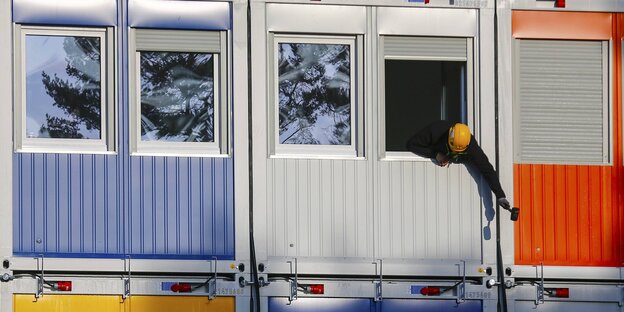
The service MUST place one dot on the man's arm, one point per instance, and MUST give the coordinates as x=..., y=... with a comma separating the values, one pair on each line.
x=480, y=160
x=422, y=144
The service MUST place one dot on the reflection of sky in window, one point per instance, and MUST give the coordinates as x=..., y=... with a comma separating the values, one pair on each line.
x=322, y=130
x=168, y=118
x=46, y=54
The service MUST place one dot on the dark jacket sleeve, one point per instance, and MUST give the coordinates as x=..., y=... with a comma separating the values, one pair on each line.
x=480, y=160
x=421, y=144
x=424, y=142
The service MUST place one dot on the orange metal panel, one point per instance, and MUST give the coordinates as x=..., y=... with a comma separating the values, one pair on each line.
x=573, y=214
x=561, y=25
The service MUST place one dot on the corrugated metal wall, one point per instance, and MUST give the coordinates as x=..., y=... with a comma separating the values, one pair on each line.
x=572, y=214
x=115, y=205
x=67, y=204
x=181, y=207
x=319, y=208
x=426, y=212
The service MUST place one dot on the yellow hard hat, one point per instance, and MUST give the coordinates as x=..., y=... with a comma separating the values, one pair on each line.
x=459, y=137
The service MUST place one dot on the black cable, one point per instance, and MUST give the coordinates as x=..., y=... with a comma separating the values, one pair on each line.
x=255, y=287
x=502, y=291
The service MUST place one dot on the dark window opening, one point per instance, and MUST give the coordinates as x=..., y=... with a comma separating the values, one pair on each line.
x=420, y=92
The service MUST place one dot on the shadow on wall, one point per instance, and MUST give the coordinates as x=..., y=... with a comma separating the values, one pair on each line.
x=486, y=196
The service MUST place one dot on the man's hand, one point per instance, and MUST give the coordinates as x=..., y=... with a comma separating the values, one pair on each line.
x=442, y=160
x=503, y=202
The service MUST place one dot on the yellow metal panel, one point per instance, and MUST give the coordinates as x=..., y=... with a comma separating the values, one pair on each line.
x=67, y=303
x=180, y=304
x=80, y=303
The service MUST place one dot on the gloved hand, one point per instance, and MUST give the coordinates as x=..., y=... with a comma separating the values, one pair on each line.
x=503, y=202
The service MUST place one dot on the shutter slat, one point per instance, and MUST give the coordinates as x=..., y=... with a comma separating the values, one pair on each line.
x=177, y=40
x=425, y=47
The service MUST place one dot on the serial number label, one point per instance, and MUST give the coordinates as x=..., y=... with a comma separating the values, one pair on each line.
x=229, y=291
x=478, y=295
x=470, y=3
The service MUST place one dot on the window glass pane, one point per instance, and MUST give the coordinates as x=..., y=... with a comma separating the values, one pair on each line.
x=314, y=93
x=63, y=87
x=177, y=97
x=420, y=92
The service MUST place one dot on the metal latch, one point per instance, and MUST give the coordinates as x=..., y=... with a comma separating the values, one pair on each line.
x=126, y=279
x=378, y=283
x=212, y=284
x=539, y=289
x=292, y=296
x=40, y=279
x=461, y=288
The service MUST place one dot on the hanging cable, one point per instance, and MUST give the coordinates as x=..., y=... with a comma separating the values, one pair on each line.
x=502, y=291
x=255, y=287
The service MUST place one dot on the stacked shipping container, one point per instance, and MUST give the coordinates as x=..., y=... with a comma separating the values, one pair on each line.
x=337, y=201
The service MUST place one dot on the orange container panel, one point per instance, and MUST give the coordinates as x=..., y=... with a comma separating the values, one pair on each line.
x=573, y=215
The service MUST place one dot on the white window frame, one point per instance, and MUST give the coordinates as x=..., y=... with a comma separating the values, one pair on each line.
x=470, y=94
x=107, y=142
x=221, y=112
x=353, y=150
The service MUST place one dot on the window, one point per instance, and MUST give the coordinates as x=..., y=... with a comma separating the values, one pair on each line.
x=316, y=102
x=561, y=101
x=64, y=93
x=179, y=104
x=424, y=79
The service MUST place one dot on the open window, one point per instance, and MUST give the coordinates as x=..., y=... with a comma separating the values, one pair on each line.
x=64, y=90
x=178, y=98
x=423, y=79
x=316, y=106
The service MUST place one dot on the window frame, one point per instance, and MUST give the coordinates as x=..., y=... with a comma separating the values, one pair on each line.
x=350, y=151
x=107, y=142
x=221, y=107
x=470, y=93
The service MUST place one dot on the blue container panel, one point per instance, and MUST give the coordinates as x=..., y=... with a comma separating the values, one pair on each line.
x=280, y=304
x=181, y=208
x=66, y=204
x=406, y=305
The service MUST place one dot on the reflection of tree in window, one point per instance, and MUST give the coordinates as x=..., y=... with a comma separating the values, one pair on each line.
x=314, y=94
x=78, y=96
x=177, y=97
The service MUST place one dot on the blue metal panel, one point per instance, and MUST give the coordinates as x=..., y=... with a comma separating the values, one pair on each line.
x=280, y=304
x=66, y=205
x=66, y=12
x=209, y=15
x=405, y=305
x=181, y=207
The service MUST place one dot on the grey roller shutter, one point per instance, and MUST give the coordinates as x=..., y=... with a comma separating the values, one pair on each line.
x=561, y=102
x=178, y=40
x=430, y=48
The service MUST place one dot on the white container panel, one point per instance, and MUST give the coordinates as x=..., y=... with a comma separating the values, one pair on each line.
x=318, y=208
x=428, y=212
